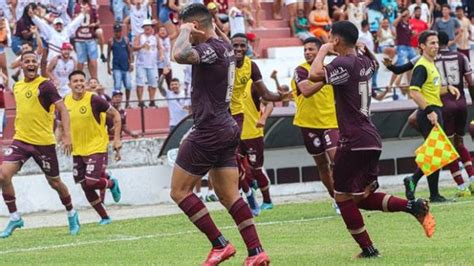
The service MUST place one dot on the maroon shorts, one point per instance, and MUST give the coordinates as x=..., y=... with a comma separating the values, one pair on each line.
x=197, y=155
x=355, y=170
x=253, y=149
x=239, y=119
x=454, y=118
x=317, y=141
x=44, y=156
x=89, y=167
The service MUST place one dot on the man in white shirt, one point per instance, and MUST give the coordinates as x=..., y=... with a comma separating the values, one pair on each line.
x=426, y=11
x=178, y=105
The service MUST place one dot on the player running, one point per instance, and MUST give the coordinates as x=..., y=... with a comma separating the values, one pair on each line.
x=316, y=115
x=36, y=100
x=252, y=144
x=88, y=111
x=452, y=66
x=360, y=145
x=210, y=146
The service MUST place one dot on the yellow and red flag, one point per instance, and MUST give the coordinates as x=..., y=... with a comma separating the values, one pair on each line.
x=436, y=152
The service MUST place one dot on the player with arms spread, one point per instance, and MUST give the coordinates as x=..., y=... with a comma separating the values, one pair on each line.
x=211, y=145
x=360, y=145
x=36, y=100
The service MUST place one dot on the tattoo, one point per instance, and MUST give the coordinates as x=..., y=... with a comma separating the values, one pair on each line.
x=183, y=50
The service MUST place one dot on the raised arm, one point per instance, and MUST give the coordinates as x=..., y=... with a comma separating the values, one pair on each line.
x=72, y=27
x=160, y=85
x=43, y=27
x=316, y=72
x=183, y=51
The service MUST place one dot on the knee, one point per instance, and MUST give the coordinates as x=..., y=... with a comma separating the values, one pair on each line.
x=55, y=183
x=178, y=195
x=88, y=183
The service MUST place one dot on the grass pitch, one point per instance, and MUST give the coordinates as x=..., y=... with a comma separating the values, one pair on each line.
x=292, y=234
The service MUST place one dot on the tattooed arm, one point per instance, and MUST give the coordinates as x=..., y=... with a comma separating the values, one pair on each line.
x=183, y=51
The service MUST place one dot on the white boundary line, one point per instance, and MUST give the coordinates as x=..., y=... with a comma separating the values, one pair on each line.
x=135, y=238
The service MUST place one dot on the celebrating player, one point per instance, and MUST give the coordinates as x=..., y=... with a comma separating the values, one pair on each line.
x=360, y=145
x=316, y=115
x=36, y=99
x=88, y=111
x=210, y=146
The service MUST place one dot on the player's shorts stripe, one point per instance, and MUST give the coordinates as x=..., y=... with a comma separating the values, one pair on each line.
x=357, y=231
x=245, y=224
x=385, y=200
x=198, y=215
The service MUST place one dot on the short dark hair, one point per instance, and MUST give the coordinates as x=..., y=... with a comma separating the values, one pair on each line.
x=443, y=38
x=174, y=80
x=30, y=44
x=445, y=6
x=77, y=72
x=417, y=8
x=314, y=40
x=26, y=53
x=347, y=31
x=364, y=23
x=459, y=8
x=425, y=35
x=239, y=35
x=198, y=12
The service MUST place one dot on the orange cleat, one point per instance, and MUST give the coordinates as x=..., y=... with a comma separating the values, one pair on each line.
x=421, y=210
x=218, y=255
x=429, y=224
x=261, y=259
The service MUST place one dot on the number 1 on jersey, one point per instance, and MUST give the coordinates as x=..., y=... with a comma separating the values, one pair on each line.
x=364, y=92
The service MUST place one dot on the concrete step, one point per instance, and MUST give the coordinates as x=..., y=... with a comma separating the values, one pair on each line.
x=275, y=23
x=276, y=42
x=272, y=33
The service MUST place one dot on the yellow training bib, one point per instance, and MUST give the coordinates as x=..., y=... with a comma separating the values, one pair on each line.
x=431, y=89
x=251, y=116
x=242, y=77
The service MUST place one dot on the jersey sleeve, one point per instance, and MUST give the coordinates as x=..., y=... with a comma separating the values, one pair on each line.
x=418, y=78
x=207, y=54
x=301, y=74
x=48, y=94
x=256, y=74
x=466, y=65
x=99, y=105
x=337, y=72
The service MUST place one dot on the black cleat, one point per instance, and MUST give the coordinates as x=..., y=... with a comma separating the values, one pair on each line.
x=369, y=253
x=409, y=188
x=438, y=199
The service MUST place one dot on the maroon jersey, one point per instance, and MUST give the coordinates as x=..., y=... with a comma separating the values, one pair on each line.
x=452, y=67
x=212, y=81
x=351, y=78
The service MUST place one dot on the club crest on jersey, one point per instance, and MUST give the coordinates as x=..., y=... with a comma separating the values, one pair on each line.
x=8, y=151
x=244, y=80
x=83, y=110
x=28, y=94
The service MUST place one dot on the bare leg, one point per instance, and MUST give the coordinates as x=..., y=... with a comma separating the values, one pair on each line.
x=92, y=67
x=140, y=94
x=276, y=8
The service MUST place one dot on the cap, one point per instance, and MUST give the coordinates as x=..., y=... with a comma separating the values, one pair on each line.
x=58, y=21
x=118, y=27
x=115, y=93
x=211, y=5
x=147, y=22
x=66, y=46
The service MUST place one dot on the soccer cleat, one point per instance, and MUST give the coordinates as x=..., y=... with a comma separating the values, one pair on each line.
x=266, y=206
x=74, y=225
x=438, y=199
x=368, y=253
x=254, y=185
x=115, y=190
x=211, y=198
x=218, y=255
x=409, y=188
x=105, y=221
x=261, y=259
x=463, y=193
x=336, y=208
x=12, y=225
x=102, y=57
x=421, y=210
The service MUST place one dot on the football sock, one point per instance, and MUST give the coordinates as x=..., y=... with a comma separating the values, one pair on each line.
x=71, y=213
x=466, y=159
x=417, y=176
x=263, y=183
x=100, y=183
x=14, y=216
x=383, y=202
x=242, y=216
x=471, y=179
x=433, y=180
x=10, y=201
x=197, y=212
x=67, y=202
x=95, y=202
x=244, y=185
x=354, y=223
x=456, y=172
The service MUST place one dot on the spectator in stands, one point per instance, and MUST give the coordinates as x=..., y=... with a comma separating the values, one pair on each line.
x=149, y=48
x=22, y=28
x=390, y=9
x=58, y=9
x=282, y=89
x=302, y=26
x=336, y=9
x=5, y=8
x=455, y=4
x=27, y=46
x=213, y=9
x=463, y=43
x=94, y=85
x=5, y=41
x=120, y=50
x=240, y=18
x=366, y=37
x=164, y=66
x=375, y=15
x=178, y=106
x=356, y=12
x=417, y=26
x=60, y=67
x=139, y=11
x=320, y=21
x=116, y=102
x=120, y=10
x=386, y=39
x=86, y=39
x=19, y=6
x=166, y=8
x=425, y=9
x=449, y=25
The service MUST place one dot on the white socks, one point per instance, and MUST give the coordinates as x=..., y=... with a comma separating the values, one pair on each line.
x=15, y=216
x=71, y=213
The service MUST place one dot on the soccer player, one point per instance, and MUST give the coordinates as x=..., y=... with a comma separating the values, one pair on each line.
x=360, y=145
x=251, y=142
x=36, y=100
x=88, y=111
x=452, y=66
x=210, y=146
x=316, y=115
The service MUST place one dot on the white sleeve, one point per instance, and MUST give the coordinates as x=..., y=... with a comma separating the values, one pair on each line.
x=9, y=34
x=43, y=27
x=72, y=27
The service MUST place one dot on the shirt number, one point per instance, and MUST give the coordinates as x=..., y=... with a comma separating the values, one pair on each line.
x=230, y=81
x=364, y=92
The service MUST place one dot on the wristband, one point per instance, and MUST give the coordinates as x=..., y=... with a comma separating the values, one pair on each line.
x=429, y=109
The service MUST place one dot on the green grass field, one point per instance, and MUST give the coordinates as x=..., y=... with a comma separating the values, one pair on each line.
x=292, y=234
